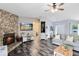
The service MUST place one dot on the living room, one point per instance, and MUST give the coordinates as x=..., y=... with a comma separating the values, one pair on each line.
x=39, y=29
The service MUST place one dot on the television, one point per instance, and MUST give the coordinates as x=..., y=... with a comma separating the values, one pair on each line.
x=26, y=27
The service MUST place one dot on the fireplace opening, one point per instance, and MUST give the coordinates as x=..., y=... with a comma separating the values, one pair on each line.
x=8, y=38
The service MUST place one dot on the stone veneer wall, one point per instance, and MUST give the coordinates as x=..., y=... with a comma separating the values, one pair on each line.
x=8, y=22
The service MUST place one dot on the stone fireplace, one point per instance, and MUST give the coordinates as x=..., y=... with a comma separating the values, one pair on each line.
x=8, y=23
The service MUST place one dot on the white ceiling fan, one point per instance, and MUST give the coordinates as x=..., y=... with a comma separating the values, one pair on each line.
x=53, y=7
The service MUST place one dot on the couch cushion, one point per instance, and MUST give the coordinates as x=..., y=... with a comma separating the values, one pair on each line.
x=57, y=37
x=68, y=42
x=57, y=42
x=69, y=38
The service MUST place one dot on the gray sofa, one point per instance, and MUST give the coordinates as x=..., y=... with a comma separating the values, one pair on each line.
x=76, y=46
x=59, y=41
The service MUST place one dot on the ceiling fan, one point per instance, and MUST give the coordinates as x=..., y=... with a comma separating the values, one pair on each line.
x=53, y=7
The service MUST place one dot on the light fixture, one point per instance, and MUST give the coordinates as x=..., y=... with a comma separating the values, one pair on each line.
x=54, y=7
x=53, y=10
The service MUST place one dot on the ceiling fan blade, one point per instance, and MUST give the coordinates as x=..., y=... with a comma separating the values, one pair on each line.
x=61, y=9
x=61, y=4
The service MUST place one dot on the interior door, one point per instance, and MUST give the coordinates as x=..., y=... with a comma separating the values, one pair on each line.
x=36, y=39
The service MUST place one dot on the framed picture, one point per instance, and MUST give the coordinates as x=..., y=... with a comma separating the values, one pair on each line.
x=43, y=27
x=26, y=27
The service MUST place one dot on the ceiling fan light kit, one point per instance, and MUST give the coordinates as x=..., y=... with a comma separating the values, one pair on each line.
x=54, y=10
x=55, y=7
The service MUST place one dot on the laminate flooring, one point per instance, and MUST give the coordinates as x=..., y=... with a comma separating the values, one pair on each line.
x=46, y=49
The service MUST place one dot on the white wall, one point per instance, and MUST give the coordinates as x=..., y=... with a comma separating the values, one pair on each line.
x=64, y=27
x=24, y=33
x=27, y=20
x=48, y=23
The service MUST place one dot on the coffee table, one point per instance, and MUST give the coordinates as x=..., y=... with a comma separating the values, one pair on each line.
x=62, y=51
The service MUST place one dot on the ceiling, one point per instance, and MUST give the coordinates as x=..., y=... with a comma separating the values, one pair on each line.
x=71, y=10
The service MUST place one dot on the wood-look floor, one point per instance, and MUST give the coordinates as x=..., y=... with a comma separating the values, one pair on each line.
x=46, y=49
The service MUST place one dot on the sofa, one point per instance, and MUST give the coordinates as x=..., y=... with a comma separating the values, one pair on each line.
x=57, y=40
x=69, y=40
